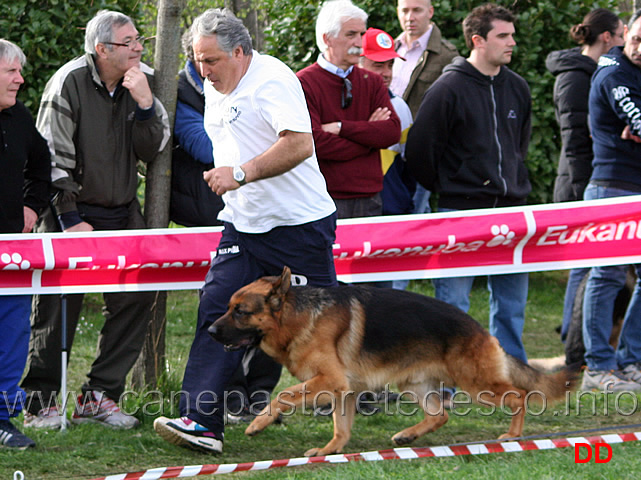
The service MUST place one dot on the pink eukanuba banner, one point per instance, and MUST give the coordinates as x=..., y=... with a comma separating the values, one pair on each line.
x=473, y=242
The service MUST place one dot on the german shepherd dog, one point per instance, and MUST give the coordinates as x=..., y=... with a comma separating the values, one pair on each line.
x=349, y=339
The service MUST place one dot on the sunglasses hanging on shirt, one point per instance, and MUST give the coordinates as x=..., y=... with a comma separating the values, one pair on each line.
x=346, y=93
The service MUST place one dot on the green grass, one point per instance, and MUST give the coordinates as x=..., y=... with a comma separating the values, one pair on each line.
x=90, y=451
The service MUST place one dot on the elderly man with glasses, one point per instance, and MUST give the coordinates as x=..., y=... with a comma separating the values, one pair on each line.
x=352, y=115
x=99, y=117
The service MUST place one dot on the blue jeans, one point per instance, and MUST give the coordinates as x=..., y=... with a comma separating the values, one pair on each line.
x=14, y=346
x=508, y=296
x=422, y=200
x=604, y=283
x=575, y=278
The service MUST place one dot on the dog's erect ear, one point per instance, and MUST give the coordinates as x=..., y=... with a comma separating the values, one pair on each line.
x=285, y=281
x=280, y=289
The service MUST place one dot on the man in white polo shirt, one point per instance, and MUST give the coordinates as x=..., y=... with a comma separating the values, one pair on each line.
x=277, y=209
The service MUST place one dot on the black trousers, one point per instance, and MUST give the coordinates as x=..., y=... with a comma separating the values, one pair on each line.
x=126, y=317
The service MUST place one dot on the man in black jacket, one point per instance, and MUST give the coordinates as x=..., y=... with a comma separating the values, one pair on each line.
x=468, y=143
x=615, y=121
x=599, y=31
x=24, y=191
x=99, y=117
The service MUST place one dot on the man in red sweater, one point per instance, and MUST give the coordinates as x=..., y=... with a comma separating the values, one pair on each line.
x=352, y=116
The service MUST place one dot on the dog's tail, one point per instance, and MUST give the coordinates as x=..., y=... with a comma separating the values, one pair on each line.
x=552, y=387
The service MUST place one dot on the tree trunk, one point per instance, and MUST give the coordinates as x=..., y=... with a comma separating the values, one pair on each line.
x=158, y=182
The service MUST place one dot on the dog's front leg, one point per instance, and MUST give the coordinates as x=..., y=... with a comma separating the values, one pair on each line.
x=343, y=416
x=280, y=404
x=294, y=397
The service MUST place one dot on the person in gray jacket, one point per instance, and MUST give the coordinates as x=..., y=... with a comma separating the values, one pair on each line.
x=99, y=117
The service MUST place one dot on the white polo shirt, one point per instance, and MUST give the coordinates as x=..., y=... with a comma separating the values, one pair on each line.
x=245, y=123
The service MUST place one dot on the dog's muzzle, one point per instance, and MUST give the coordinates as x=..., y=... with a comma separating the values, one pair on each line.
x=234, y=338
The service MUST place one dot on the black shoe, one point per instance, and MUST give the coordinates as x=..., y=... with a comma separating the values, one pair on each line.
x=387, y=397
x=324, y=410
x=367, y=409
x=234, y=417
x=365, y=402
x=11, y=437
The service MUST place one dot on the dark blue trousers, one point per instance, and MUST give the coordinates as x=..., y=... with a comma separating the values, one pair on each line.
x=242, y=258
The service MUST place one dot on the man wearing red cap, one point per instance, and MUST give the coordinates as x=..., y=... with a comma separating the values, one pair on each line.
x=352, y=116
x=398, y=184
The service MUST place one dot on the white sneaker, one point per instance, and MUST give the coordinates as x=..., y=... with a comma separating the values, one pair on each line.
x=632, y=372
x=608, y=381
x=184, y=432
x=46, y=418
x=96, y=407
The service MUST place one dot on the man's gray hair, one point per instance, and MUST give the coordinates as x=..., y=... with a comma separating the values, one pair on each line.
x=228, y=29
x=100, y=29
x=331, y=17
x=9, y=51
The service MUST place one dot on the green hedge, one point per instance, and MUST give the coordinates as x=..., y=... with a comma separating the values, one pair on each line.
x=542, y=27
x=51, y=33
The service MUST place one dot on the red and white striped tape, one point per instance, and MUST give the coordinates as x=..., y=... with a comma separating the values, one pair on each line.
x=406, y=453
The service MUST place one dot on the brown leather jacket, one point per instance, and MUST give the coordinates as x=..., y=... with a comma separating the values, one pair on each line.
x=438, y=54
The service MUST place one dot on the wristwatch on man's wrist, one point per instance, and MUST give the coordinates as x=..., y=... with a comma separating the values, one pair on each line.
x=239, y=175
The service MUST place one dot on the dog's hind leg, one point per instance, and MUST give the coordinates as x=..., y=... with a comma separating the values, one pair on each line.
x=343, y=416
x=507, y=395
x=435, y=414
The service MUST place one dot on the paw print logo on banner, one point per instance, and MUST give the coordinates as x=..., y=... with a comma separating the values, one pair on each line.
x=502, y=235
x=14, y=262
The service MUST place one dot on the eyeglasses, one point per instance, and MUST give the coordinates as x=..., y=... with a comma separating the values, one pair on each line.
x=130, y=44
x=346, y=94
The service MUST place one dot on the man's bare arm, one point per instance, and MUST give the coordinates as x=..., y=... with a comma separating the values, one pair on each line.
x=291, y=149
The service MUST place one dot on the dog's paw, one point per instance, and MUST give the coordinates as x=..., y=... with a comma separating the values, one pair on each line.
x=252, y=430
x=312, y=452
x=321, y=452
x=508, y=435
x=259, y=424
x=401, y=438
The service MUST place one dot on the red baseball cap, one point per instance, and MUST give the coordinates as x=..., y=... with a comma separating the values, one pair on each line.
x=378, y=46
